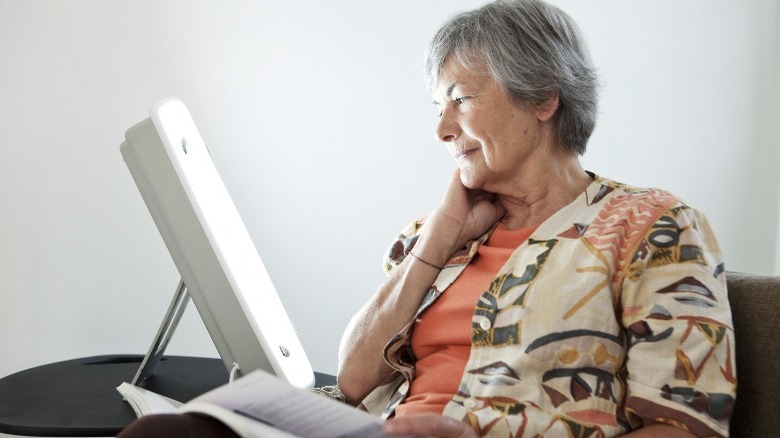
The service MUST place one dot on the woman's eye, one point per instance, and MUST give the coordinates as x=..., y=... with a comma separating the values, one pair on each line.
x=458, y=101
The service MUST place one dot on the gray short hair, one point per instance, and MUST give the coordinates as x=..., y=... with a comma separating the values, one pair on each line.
x=532, y=49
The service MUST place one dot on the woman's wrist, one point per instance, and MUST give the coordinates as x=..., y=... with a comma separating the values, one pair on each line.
x=433, y=247
x=425, y=262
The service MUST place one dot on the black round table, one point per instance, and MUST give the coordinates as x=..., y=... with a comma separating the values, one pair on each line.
x=78, y=397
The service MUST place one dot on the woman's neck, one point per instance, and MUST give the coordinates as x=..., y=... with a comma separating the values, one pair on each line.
x=538, y=196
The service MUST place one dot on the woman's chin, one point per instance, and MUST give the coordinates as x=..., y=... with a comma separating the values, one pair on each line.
x=469, y=179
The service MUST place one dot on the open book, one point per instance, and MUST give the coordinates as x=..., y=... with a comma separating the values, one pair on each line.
x=261, y=405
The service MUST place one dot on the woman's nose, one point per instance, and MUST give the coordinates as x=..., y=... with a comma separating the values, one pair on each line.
x=448, y=128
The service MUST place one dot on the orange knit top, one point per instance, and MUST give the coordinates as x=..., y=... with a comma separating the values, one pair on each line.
x=441, y=340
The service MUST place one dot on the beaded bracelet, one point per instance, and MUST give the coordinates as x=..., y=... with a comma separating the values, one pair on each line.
x=425, y=262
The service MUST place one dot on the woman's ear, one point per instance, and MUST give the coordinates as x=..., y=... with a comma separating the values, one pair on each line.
x=548, y=108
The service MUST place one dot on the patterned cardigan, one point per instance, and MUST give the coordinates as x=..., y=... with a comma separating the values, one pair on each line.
x=612, y=313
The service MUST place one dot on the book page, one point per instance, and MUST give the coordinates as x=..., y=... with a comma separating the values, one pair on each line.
x=266, y=399
x=245, y=427
x=145, y=402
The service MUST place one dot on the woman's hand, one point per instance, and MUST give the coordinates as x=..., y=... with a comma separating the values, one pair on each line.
x=462, y=215
x=428, y=425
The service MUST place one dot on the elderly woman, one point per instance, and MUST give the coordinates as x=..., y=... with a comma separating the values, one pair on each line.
x=539, y=299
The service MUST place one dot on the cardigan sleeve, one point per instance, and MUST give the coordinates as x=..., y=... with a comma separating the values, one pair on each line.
x=675, y=310
x=401, y=246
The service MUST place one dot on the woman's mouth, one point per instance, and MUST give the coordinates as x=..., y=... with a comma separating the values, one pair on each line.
x=462, y=155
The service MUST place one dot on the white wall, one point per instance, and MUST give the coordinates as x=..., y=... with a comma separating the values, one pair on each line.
x=318, y=121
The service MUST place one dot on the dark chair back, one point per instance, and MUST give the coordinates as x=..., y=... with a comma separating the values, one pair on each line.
x=755, y=306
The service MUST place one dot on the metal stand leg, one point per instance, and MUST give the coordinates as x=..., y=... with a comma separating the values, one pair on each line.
x=168, y=326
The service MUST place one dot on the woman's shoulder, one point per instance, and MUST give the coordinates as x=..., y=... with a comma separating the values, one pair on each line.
x=618, y=194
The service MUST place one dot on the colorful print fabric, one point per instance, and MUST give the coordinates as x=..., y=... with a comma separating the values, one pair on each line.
x=613, y=313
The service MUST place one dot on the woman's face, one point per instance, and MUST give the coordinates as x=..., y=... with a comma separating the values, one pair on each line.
x=491, y=138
